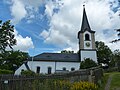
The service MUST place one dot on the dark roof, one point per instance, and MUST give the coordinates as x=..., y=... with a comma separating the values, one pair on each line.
x=26, y=65
x=85, y=24
x=60, y=57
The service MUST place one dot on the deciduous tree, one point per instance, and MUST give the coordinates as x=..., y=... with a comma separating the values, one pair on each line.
x=87, y=63
x=116, y=40
x=104, y=53
x=65, y=51
x=7, y=37
x=10, y=60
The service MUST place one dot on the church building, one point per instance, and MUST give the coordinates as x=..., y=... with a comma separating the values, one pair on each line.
x=48, y=63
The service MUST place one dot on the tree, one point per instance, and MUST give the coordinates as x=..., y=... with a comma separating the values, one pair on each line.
x=104, y=53
x=87, y=63
x=65, y=51
x=115, y=62
x=7, y=38
x=117, y=58
x=116, y=40
x=28, y=73
x=11, y=60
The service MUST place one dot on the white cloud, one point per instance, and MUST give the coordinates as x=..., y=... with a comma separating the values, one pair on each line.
x=34, y=3
x=18, y=11
x=45, y=34
x=65, y=24
x=23, y=44
x=24, y=9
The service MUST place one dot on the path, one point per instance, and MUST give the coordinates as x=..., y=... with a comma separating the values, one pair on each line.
x=107, y=87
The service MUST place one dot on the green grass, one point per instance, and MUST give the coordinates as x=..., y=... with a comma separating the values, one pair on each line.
x=104, y=81
x=115, y=83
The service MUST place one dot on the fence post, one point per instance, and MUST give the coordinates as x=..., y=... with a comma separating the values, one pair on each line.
x=91, y=77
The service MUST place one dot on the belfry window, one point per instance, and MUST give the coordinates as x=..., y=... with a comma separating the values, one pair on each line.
x=87, y=37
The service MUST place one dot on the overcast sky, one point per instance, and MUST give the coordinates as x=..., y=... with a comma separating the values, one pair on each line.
x=52, y=25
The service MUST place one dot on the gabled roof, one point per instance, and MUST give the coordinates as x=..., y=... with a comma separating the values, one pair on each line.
x=57, y=57
x=85, y=24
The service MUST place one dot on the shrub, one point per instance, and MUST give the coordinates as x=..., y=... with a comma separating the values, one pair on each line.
x=6, y=71
x=52, y=84
x=84, y=86
x=87, y=63
x=114, y=69
x=28, y=73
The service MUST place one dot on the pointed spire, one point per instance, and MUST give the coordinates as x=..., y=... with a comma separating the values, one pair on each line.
x=85, y=24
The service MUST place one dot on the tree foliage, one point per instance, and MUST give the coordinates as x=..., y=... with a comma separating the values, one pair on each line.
x=87, y=63
x=7, y=37
x=2, y=71
x=116, y=59
x=104, y=53
x=10, y=60
x=28, y=73
x=116, y=40
x=65, y=51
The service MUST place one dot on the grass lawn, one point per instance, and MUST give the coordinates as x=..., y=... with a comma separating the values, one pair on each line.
x=104, y=81
x=115, y=83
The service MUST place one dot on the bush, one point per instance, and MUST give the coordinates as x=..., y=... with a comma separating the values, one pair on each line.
x=114, y=69
x=52, y=84
x=6, y=71
x=87, y=63
x=28, y=73
x=58, y=84
x=84, y=86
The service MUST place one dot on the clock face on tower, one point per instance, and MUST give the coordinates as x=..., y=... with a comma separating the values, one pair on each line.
x=87, y=44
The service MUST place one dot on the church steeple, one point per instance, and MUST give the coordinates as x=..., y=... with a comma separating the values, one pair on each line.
x=86, y=38
x=85, y=24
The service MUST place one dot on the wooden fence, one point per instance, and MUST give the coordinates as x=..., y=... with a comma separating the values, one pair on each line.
x=12, y=82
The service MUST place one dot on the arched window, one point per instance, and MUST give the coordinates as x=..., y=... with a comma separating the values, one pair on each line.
x=22, y=70
x=38, y=70
x=87, y=37
x=64, y=69
x=72, y=69
x=49, y=70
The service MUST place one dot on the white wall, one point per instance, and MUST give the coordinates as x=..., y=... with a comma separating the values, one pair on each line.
x=44, y=66
x=17, y=72
x=67, y=65
x=89, y=54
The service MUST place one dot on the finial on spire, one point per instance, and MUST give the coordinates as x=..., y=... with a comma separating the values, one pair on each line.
x=84, y=5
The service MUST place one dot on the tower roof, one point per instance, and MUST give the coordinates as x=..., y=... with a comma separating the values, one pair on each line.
x=85, y=24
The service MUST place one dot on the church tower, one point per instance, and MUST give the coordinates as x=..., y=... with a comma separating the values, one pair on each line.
x=86, y=38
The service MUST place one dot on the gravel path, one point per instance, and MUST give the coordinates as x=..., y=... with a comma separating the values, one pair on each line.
x=107, y=87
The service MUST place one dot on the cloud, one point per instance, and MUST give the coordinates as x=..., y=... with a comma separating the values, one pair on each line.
x=18, y=11
x=23, y=44
x=34, y=3
x=24, y=9
x=65, y=18
x=65, y=24
x=45, y=34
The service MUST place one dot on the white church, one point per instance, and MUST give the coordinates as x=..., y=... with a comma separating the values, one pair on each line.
x=48, y=63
